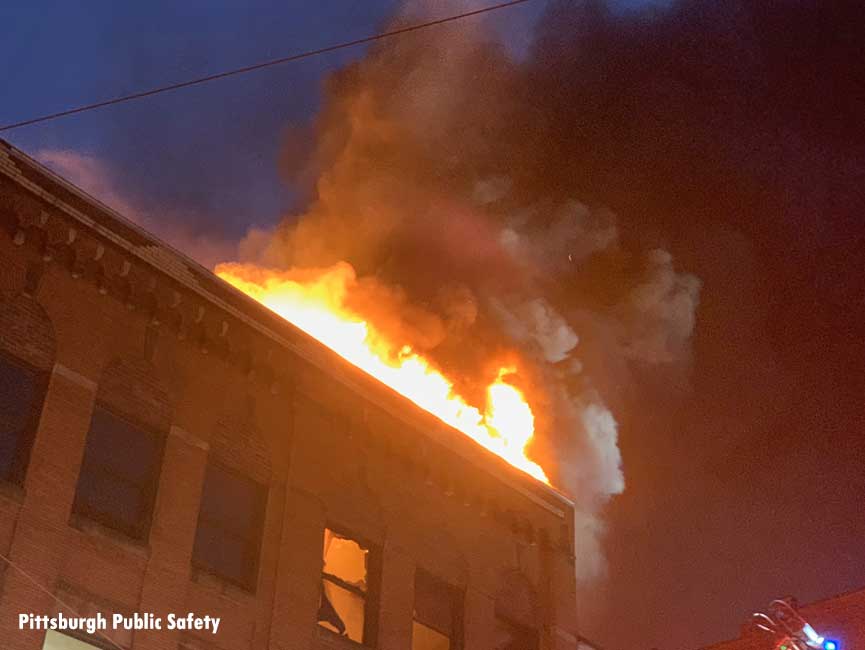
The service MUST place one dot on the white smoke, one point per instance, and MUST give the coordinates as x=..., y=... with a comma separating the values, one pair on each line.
x=660, y=312
x=536, y=322
x=602, y=435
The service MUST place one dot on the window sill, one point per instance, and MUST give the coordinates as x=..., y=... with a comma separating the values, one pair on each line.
x=101, y=534
x=334, y=640
x=225, y=588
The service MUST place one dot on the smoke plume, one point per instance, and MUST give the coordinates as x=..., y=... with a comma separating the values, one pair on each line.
x=426, y=190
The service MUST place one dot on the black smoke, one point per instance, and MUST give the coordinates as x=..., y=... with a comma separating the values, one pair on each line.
x=567, y=191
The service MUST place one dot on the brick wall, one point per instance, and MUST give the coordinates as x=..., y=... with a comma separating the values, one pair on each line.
x=109, y=327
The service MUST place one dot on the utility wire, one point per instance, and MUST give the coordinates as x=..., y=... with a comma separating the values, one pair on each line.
x=45, y=590
x=258, y=66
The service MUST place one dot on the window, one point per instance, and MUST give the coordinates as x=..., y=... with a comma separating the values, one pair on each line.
x=119, y=474
x=57, y=641
x=437, y=614
x=517, y=614
x=230, y=524
x=22, y=390
x=345, y=597
x=510, y=636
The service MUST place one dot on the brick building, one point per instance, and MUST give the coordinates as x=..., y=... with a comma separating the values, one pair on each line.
x=167, y=445
x=841, y=618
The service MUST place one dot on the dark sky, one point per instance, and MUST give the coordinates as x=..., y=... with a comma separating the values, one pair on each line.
x=730, y=133
x=223, y=136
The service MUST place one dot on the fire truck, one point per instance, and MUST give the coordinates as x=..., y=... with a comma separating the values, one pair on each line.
x=788, y=630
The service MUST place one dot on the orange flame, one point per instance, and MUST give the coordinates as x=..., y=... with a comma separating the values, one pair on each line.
x=316, y=303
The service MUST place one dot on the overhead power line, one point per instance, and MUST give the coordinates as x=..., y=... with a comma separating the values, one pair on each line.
x=258, y=66
x=45, y=590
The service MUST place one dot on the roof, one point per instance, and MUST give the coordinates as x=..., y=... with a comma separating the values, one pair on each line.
x=113, y=226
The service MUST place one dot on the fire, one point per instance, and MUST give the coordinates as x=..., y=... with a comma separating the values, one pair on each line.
x=315, y=301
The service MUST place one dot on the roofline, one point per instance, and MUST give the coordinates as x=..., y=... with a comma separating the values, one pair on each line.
x=256, y=323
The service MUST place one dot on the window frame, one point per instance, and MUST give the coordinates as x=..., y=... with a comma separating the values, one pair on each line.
x=370, y=596
x=27, y=437
x=250, y=585
x=457, y=608
x=141, y=532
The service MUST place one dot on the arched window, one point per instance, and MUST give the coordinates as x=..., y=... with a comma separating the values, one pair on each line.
x=22, y=391
x=26, y=358
x=230, y=526
x=234, y=496
x=123, y=452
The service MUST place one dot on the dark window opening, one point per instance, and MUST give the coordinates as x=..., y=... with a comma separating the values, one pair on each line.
x=345, y=604
x=437, y=623
x=230, y=526
x=119, y=474
x=22, y=392
x=517, y=614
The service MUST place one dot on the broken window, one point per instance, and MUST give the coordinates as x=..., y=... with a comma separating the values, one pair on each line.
x=345, y=587
x=230, y=524
x=22, y=390
x=119, y=474
x=437, y=614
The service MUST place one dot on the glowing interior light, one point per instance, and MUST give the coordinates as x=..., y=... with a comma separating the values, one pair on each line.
x=830, y=645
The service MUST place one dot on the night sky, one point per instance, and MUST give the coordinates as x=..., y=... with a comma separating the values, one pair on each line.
x=730, y=133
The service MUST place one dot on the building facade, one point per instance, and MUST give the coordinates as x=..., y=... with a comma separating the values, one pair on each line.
x=169, y=446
